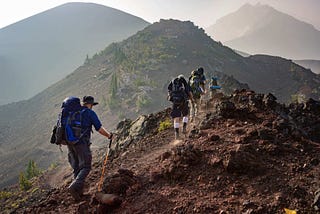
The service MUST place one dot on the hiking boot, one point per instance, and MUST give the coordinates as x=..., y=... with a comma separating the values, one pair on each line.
x=176, y=134
x=184, y=129
x=74, y=193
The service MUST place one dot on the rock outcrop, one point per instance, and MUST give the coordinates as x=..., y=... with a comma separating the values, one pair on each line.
x=245, y=154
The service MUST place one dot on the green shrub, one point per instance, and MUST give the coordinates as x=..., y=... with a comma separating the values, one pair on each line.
x=139, y=82
x=142, y=101
x=53, y=166
x=32, y=170
x=298, y=98
x=113, y=103
x=5, y=194
x=121, y=115
x=87, y=60
x=165, y=57
x=164, y=125
x=119, y=55
x=24, y=183
x=34, y=190
x=113, y=88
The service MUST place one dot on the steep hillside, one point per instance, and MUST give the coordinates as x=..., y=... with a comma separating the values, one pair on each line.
x=314, y=65
x=260, y=29
x=245, y=154
x=125, y=84
x=40, y=50
x=180, y=46
x=131, y=77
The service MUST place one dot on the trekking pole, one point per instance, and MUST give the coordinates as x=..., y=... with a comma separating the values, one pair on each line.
x=104, y=167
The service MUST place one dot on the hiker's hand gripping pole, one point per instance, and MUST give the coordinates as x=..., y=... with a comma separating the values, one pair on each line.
x=104, y=166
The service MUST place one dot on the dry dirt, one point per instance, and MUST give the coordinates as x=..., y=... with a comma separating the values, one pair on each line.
x=250, y=156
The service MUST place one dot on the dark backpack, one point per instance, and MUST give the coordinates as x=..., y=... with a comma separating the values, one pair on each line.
x=177, y=94
x=68, y=129
x=195, y=86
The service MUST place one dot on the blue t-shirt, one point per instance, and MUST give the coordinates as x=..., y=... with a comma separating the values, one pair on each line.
x=89, y=119
x=203, y=78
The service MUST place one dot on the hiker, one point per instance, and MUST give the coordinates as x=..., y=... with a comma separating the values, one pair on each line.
x=197, y=84
x=179, y=92
x=213, y=86
x=79, y=154
x=200, y=72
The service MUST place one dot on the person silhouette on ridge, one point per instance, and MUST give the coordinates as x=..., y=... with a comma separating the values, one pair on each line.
x=179, y=92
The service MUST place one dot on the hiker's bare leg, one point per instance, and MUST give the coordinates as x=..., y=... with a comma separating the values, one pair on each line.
x=197, y=106
x=185, y=122
x=176, y=126
x=192, y=111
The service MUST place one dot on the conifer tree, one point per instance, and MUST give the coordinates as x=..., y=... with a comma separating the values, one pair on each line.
x=24, y=183
x=32, y=170
x=114, y=85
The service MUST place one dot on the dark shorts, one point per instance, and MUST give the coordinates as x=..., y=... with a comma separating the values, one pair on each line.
x=180, y=110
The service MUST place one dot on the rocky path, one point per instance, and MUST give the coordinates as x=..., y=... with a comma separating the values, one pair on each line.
x=246, y=154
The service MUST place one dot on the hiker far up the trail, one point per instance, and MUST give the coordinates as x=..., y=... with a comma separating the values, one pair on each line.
x=74, y=129
x=179, y=92
x=197, y=82
x=214, y=86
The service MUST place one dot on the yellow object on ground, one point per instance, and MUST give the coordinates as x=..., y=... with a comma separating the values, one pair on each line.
x=290, y=211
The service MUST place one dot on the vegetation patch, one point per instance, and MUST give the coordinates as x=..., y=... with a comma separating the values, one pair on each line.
x=166, y=124
x=24, y=178
x=142, y=101
x=5, y=195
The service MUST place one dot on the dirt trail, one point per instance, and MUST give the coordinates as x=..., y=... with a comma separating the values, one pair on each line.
x=240, y=157
x=56, y=178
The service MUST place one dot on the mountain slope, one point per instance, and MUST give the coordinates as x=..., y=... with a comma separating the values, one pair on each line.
x=245, y=154
x=131, y=77
x=261, y=29
x=314, y=65
x=124, y=88
x=42, y=49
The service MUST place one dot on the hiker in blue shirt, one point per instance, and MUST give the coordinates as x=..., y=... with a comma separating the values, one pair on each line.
x=79, y=154
x=214, y=86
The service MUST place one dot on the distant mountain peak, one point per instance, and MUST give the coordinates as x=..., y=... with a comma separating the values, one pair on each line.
x=42, y=49
x=255, y=6
x=256, y=9
x=262, y=29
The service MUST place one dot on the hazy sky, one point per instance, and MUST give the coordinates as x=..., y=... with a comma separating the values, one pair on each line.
x=201, y=12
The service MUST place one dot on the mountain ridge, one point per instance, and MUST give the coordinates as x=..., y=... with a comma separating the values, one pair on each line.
x=131, y=77
x=261, y=29
x=40, y=50
x=314, y=65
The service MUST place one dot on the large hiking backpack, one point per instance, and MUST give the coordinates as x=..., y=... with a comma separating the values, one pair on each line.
x=195, y=86
x=68, y=129
x=177, y=94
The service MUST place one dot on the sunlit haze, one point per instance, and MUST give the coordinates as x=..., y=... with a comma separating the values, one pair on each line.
x=202, y=13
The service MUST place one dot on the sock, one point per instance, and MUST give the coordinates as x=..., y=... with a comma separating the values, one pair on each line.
x=185, y=119
x=176, y=125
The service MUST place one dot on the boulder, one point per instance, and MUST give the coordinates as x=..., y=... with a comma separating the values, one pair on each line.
x=244, y=159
